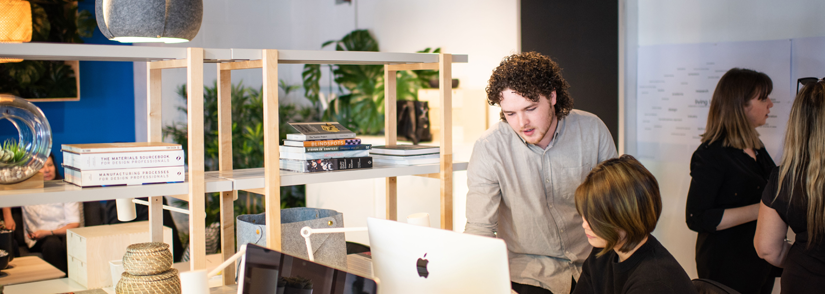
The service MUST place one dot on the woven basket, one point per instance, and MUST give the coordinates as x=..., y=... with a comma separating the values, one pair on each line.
x=165, y=282
x=144, y=259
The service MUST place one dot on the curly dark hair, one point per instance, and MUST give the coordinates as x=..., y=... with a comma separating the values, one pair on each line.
x=530, y=74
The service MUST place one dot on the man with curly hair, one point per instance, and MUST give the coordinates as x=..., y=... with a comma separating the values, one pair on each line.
x=524, y=171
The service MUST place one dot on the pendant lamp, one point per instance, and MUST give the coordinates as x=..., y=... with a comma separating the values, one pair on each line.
x=166, y=21
x=15, y=23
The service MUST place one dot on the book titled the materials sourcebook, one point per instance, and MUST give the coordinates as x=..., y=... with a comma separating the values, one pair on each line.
x=92, y=161
x=319, y=131
x=125, y=176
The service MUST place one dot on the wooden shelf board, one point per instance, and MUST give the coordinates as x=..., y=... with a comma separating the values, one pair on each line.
x=343, y=57
x=57, y=51
x=253, y=178
x=61, y=192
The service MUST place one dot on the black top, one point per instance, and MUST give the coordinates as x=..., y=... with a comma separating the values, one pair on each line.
x=723, y=178
x=651, y=269
x=804, y=267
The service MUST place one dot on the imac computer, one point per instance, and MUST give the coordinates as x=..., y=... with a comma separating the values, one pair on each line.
x=415, y=259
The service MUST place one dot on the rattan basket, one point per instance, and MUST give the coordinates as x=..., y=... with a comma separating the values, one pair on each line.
x=143, y=259
x=165, y=282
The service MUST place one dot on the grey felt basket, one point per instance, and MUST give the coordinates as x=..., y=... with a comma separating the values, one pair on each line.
x=328, y=249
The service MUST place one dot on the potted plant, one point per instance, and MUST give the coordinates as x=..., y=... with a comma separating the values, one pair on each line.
x=361, y=106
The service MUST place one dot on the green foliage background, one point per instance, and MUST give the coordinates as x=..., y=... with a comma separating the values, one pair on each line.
x=247, y=142
x=361, y=108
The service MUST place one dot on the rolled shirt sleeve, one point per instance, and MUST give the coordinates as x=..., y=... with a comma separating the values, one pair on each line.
x=702, y=215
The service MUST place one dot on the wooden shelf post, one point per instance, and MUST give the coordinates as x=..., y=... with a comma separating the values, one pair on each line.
x=197, y=190
x=225, y=164
x=446, y=138
x=390, y=136
x=154, y=134
x=272, y=156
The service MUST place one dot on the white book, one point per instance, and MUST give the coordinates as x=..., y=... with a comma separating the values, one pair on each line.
x=119, y=147
x=126, y=176
x=405, y=160
x=323, y=155
x=117, y=160
x=403, y=150
x=407, y=157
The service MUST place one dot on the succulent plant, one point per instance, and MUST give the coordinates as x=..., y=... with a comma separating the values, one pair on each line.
x=11, y=152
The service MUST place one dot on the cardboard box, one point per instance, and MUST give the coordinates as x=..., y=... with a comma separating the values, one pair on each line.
x=91, y=248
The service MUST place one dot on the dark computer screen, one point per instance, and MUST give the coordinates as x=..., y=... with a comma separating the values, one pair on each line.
x=265, y=271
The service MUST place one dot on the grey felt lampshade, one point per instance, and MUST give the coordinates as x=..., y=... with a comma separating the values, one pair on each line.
x=169, y=21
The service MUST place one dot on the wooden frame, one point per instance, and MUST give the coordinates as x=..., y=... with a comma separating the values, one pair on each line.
x=76, y=68
x=228, y=181
x=269, y=65
x=196, y=181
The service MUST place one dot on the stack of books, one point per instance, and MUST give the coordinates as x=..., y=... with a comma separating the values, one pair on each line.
x=119, y=164
x=323, y=146
x=406, y=154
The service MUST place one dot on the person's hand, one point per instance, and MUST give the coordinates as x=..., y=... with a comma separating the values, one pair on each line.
x=10, y=225
x=40, y=234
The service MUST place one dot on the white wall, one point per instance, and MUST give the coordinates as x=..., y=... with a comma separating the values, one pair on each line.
x=691, y=21
x=485, y=30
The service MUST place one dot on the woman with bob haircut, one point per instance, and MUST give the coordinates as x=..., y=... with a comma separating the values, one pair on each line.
x=729, y=170
x=795, y=197
x=620, y=204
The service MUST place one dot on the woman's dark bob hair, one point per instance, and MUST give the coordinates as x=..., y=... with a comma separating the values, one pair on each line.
x=620, y=197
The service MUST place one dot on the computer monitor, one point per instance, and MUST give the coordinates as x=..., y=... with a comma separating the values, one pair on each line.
x=262, y=268
x=416, y=259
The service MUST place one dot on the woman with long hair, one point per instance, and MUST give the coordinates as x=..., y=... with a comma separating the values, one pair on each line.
x=729, y=170
x=795, y=197
x=619, y=202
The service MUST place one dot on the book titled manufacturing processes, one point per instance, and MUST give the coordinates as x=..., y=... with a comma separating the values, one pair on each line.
x=93, y=161
x=319, y=131
x=323, y=143
x=125, y=176
x=329, y=164
x=297, y=149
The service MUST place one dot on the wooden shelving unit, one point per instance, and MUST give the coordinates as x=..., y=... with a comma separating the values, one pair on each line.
x=265, y=180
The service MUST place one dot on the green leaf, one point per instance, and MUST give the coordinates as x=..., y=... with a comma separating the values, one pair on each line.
x=41, y=27
x=85, y=23
x=312, y=78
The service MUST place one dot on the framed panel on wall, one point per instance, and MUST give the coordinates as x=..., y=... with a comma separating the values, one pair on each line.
x=41, y=81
